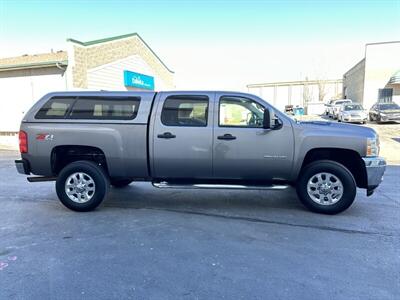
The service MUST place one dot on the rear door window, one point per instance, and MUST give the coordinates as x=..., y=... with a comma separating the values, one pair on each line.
x=55, y=108
x=191, y=111
x=110, y=108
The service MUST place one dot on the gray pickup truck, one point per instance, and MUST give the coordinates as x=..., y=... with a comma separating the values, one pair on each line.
x=87, y=141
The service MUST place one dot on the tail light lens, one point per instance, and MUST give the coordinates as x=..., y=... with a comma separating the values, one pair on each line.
x=23, y=142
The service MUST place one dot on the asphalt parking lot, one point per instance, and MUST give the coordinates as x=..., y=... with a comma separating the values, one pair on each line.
x=146, y=243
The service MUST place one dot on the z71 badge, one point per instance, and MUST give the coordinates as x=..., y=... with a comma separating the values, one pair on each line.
x=44, y=137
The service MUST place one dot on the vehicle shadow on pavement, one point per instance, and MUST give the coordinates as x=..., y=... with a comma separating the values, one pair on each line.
x=144, y=195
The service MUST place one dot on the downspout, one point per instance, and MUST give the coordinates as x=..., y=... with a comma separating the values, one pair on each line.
x=58, y=65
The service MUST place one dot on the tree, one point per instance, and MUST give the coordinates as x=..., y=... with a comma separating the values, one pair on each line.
x=321, y=90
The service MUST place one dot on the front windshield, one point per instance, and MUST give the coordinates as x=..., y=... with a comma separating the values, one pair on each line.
x=388, y=106
x=353, y=107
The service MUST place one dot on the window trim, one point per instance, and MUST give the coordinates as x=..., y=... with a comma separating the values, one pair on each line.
x=234, y=126
x=187, y=97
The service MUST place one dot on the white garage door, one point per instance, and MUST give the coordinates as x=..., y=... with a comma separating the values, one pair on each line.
x=19, y=90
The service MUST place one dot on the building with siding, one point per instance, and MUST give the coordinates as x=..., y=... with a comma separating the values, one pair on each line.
x=123, y=62
x=311, y=94
x=376, y=78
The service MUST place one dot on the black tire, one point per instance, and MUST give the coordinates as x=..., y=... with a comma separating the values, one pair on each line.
x=101, y=183
x=120, y=183
x=337, y=169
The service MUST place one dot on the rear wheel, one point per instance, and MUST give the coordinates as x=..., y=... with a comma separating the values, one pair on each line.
x=326, y=187
x=82, y=185
x=120, y=183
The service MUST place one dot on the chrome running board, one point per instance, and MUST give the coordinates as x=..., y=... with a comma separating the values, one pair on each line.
x=164, y=184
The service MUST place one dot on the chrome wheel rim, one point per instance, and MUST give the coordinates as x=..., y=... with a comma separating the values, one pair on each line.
x=80, y=187
x=325, y=188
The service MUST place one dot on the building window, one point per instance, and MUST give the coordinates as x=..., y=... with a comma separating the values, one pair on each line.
x=385, y=95
x=185, y=111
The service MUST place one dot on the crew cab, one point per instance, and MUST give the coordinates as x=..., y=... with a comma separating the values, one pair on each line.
x=87, y=141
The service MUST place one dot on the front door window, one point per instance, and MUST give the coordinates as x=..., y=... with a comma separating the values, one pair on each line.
x=240, y=112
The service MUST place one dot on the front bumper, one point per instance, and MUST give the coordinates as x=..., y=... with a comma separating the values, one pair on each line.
x=390, y=118
x=355, y=119
x=375, y=167
x=22, y=166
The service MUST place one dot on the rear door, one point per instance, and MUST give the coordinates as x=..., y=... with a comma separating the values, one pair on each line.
x=181, y=131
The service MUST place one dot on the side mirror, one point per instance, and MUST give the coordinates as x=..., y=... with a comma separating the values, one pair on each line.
x=271, y=121
x=266, y=120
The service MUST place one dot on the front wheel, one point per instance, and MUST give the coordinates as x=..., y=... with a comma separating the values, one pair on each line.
x=326, y=187
x=82, y=185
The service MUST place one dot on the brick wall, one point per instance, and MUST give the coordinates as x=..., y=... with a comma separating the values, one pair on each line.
x=88, y=57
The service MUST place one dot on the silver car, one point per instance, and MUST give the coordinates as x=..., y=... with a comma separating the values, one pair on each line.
x=352, y=113
x=334, y=110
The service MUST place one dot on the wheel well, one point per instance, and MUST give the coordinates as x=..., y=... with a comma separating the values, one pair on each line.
x=349, y=158
x=63, y=155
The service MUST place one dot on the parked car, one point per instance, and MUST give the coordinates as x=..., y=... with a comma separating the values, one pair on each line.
x=86, y=141
x=334, y=110
x=352, y=113
x=328, y=107
x=289, y=109
x=384, y=112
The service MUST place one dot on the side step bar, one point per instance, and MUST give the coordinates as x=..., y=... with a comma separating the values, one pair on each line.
x=41, y=179
x=164, y=184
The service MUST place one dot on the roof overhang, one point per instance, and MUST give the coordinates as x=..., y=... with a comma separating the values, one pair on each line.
x=395, y=79
x=115, y=38
x=36, y=65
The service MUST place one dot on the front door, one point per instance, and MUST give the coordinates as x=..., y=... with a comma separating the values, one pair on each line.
x=182, y=136
x=243, y=149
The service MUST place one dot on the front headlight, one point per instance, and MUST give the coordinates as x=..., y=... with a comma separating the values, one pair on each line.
x=373, y=146
x=382, y=114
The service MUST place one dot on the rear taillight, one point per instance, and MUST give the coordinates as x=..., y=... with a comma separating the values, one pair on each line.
x=23, y=142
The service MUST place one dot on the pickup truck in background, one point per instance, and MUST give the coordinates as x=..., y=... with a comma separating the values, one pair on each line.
x=87, y=141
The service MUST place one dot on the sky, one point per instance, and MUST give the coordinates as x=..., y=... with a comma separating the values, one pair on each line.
x=213, y=44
